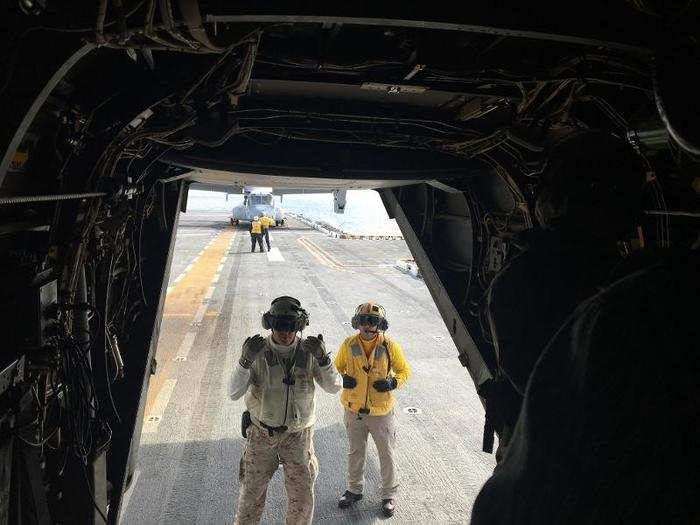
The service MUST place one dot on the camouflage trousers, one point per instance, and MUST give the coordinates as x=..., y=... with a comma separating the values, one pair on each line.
x=263, y=454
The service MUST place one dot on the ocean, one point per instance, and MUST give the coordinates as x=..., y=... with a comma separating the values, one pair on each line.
x=364, y=211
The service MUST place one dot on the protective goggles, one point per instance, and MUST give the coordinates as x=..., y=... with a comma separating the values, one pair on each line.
x=368, y=319
x=284, y=324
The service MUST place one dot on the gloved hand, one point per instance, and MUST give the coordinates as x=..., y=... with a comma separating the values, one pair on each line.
x=349, y=382
x=384, y=385
x=252, y=346
x=317, y=348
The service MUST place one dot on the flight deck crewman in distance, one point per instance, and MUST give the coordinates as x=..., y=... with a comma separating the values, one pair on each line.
x=266, y=222
x=256, y=234
x=372, y=366
x=277, y=376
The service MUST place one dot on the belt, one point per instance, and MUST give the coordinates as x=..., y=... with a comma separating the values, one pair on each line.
x=272, y=430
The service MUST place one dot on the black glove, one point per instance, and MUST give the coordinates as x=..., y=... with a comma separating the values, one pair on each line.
x=252, y=346
x=316, y=347
x=384, y=385
x=349, y=382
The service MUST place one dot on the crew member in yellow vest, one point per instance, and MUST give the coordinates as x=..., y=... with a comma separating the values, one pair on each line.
x=372, y=365
x=256, y=234
x=266, y=222
x=277, y=374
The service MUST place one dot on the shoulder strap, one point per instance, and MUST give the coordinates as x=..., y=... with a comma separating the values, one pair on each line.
x=300, y=357
x=356, y=349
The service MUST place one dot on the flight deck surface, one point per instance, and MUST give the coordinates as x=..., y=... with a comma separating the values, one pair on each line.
x=187, y=470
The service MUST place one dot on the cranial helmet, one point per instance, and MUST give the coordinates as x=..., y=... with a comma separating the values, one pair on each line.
x=285, y=314
x=372, y=312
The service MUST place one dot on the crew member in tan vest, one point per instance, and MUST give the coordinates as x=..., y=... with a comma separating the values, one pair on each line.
x=277, y=374
x=372, y=365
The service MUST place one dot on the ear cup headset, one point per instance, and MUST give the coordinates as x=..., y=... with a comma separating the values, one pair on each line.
x=285, y=314
x=372, y=314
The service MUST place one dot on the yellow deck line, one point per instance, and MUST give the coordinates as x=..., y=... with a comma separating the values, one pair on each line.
x=312, y=249
x=340, y=264
x=183, y=301
x=326, y=254
x=186, y=296
x=316, y=255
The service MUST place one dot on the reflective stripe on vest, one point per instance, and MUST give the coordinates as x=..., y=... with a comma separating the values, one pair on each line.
x=378, y=352
x=381, y=349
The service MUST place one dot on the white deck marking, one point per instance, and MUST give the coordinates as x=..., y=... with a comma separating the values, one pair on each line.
x=210, y=292
x=216, y=278
x=170, y=289
x=179, y=278
x=189, y=267
x=153, y=420
x=186, y=345
x=200, y=314
x=274, y=255
x=221, y=267
x=223, y=259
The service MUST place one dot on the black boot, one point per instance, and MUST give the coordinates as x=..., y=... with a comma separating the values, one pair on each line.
x=348, y=499
x=388, y=507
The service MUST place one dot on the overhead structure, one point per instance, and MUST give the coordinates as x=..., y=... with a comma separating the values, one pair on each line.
x=112, y=110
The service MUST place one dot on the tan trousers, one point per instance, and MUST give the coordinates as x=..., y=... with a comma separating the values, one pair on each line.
x=383, y=431
x=262, y=456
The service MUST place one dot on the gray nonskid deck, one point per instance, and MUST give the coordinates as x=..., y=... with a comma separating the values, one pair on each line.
x=188, y=469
